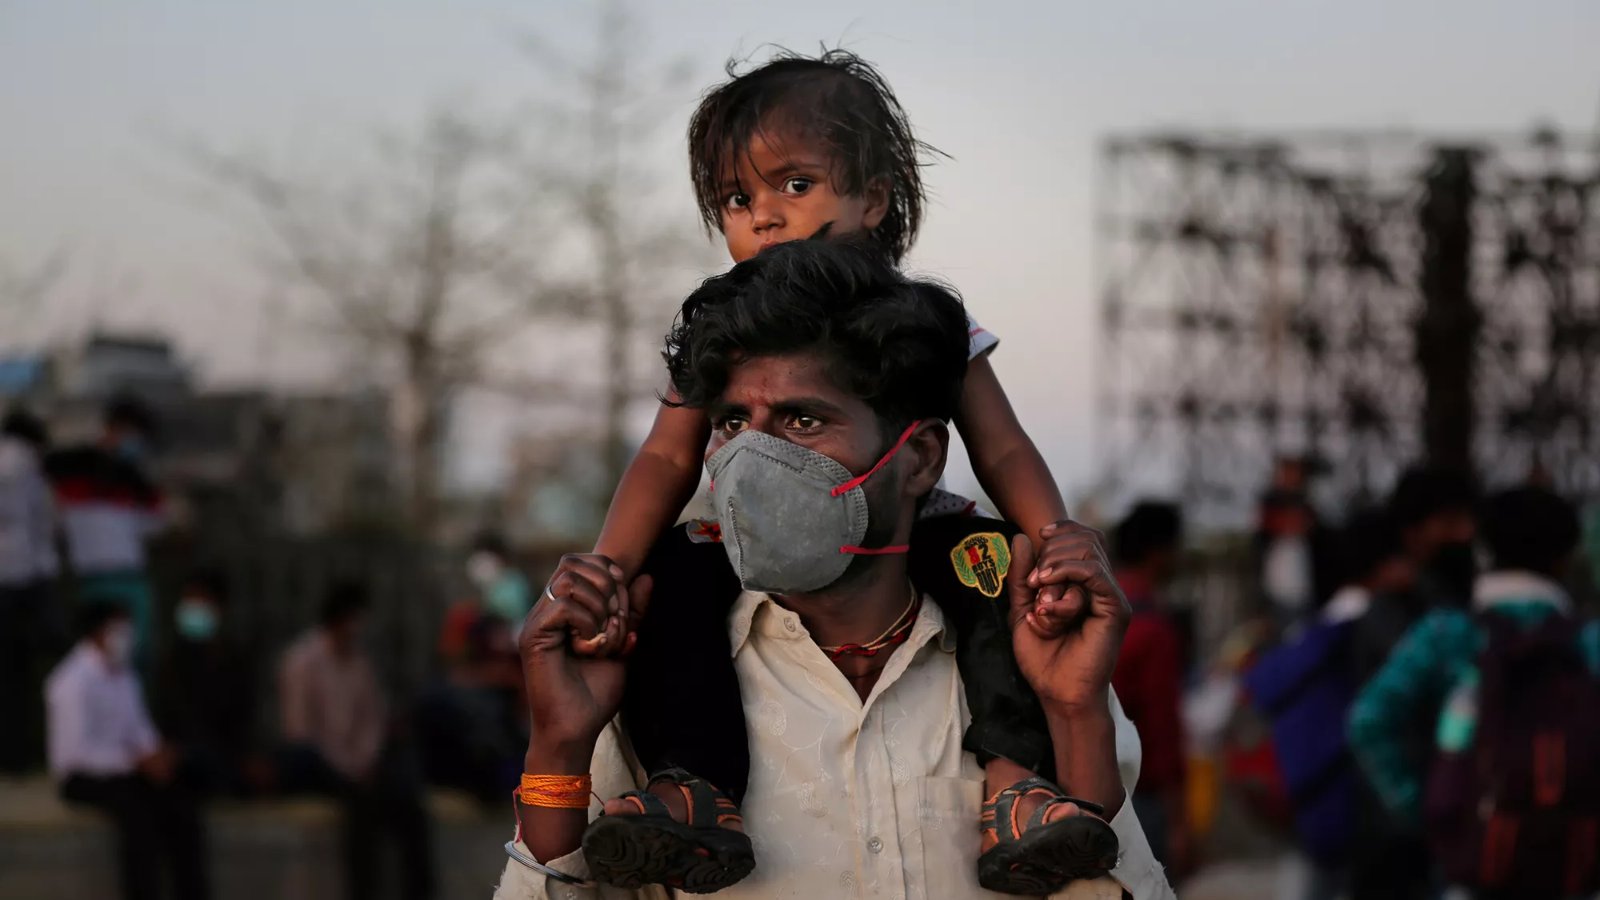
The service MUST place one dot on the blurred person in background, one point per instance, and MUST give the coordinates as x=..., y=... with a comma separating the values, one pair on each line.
x=336, y=731
x=109, y=507
x=498, y=589
x=32, y=629
x=205, y=693
x=1510, y=795
x=1149, y=674
x=1294, y=567
x=106, y=754
x=1305, y=687
x=1434, y=509
x=472, y=724
x=503, y=587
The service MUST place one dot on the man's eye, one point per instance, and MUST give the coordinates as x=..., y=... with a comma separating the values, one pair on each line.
x=732, y=425
x=799, y=184
x=804, y=423
x=737, y=201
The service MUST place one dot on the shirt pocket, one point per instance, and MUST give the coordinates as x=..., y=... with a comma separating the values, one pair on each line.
x=945, y=837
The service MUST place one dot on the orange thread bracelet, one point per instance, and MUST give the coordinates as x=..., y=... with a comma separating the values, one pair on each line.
x=556, y=791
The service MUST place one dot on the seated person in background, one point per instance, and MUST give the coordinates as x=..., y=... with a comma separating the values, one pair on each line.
x=205, y=694
x=472, y=723
x=106, y=754
x=335, y=725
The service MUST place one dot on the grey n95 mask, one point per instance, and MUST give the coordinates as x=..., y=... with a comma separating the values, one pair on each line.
x=792, y=518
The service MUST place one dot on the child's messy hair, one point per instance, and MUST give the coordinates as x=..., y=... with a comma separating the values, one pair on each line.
x=836, y=99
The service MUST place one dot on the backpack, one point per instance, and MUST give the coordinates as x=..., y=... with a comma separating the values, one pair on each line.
x=1304, y=688
x=1518, y=808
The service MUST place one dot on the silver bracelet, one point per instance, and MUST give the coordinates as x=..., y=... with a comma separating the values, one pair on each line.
x=542, y=869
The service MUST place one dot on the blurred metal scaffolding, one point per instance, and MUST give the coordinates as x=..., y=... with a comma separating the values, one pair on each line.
x=1367, y=299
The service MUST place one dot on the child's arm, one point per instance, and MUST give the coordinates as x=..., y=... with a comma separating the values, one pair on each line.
x=659, y=483
x=1004, y=458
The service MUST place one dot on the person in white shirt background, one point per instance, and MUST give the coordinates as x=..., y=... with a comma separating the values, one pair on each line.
x=105, y=754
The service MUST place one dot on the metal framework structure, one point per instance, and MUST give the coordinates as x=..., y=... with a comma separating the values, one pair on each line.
x=1367, y=299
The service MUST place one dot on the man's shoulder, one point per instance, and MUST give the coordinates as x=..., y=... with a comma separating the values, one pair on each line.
x=960, y=557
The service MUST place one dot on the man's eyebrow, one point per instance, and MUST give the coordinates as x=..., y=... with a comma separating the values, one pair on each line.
x=809, y=405
x=721, y=408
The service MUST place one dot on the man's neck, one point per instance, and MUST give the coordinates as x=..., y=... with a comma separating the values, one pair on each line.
x=857, y=608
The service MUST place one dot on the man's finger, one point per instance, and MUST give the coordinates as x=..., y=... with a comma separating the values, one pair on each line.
x=577, y=569
x=1022, y=593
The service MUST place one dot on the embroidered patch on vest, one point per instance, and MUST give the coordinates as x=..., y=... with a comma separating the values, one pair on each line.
x=981, y=561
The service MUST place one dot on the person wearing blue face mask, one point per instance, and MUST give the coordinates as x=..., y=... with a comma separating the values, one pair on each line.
x=205, y=693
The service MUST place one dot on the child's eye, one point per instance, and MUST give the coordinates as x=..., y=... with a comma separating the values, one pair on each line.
x=737, y=201
x=799, y=184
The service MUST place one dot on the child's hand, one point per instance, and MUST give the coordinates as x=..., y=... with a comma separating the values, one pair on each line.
x=1060, y=602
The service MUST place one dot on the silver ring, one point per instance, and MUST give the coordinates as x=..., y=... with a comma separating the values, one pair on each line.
x=548, y=595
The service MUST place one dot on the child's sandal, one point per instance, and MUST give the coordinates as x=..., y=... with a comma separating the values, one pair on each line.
x=1042, y=857
x=700, y=857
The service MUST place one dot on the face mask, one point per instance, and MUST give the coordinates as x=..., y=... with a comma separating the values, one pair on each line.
x=508, y=597
x=119, y=644
x=196, y=620
x=1454, y=567
x=483, y=569
x=792, y=519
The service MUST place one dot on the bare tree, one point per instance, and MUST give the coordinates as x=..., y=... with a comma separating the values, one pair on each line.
x=22, y=289
x=609, y=108
x=420, y=258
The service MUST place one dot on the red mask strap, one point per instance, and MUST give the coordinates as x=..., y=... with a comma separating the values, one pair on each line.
x=857, y=481
x=875, y=551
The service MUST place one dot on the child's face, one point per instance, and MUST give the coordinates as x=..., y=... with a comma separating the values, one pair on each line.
x=782, y=191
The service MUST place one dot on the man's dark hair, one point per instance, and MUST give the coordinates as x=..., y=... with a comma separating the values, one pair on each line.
x=1368, y=539
x=836, y=99
x=1530, y=528
x=1428, y=491
x=97, y=613
x=1149, y=527
x=344, y=601
x=899, y=345
x=130, y=412
x=26, y=427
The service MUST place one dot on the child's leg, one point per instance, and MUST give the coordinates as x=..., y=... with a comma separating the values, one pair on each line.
x=1008, y=733
x=681, y=705
x=685, y=719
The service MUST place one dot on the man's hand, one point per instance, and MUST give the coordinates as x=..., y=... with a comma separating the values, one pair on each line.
x=1067, y=649
x=572, y=646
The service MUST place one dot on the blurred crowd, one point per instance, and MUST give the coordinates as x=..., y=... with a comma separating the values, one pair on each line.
x=1412, y=681
x=1411, y=703
x=148, y=739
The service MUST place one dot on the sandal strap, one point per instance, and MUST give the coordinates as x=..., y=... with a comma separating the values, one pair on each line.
x=708, y=806
x=1000, y=812
x=649, y=804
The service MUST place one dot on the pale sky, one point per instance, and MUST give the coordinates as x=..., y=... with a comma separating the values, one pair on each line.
x=1018, y=93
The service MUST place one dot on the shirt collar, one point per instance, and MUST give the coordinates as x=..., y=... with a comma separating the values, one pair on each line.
x=1495, y=588
x=757, y=614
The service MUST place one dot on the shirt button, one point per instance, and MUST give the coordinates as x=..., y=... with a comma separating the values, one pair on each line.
x=875, y=845
x=789, y=624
